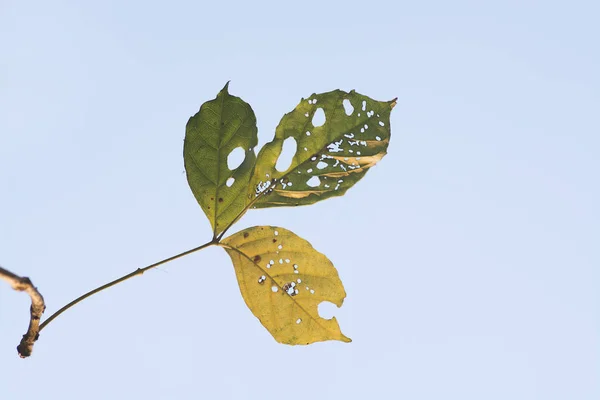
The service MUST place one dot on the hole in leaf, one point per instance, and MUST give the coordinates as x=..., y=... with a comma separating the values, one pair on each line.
x=235, y=158
x=364, y=105
x=290, y=288
x=230, y=181
x=327, y=310
x=298, y=320
x=318, y=117
x=314, y=181
x=287, y=154
x=274, y=289
x=322, y=165
x=335, y=147
x=348, y=107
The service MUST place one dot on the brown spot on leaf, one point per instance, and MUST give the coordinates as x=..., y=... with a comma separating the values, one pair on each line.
x=257, y=258
x=274, y=240
x=220, y=199
x=246, y=234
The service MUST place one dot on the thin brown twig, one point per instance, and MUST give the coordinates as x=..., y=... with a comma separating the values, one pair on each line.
x=23, y=284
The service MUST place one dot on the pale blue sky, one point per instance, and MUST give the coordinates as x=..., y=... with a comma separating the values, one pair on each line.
x=469, y=254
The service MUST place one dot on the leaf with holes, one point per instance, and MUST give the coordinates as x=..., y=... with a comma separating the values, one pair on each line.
x=283, y=279
x=338, y=137
x=221, y=128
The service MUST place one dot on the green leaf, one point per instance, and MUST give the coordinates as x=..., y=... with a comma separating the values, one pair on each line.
x=330, y=158
x=221, y=125
x=283, y=279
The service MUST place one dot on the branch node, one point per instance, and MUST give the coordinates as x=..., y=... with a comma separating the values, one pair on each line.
x=24, y=284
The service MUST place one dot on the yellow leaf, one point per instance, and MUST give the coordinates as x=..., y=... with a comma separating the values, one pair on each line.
x=283, y=279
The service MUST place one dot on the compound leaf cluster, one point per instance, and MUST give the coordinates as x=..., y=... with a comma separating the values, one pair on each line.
x=338, y=137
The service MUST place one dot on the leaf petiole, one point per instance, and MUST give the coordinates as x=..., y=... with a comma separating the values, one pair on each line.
x=137, y=272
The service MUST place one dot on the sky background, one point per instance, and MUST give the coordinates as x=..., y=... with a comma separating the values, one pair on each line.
x=476, y=272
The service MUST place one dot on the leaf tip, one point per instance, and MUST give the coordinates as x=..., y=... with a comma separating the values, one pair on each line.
x=346, y=339
x=226, y=88
x=393, y=103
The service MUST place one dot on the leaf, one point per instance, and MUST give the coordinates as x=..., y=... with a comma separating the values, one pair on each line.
x=330, y=158
x=221, y=125
x=283, y=279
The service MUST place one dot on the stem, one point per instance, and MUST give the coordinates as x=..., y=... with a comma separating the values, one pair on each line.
x=138, y=271
x=36, y=310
